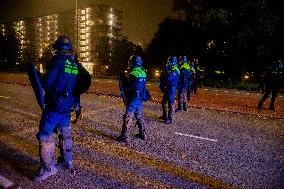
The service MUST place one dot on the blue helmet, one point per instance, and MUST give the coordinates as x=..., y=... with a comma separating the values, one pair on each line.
x=182, y=59
x=277, y=66
x=172, y=61
x=134, y=61
x=62, y=43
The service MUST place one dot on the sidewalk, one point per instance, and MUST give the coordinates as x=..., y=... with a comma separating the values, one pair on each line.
x=219, y=99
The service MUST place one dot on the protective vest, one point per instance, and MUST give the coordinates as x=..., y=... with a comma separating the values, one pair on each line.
x=185, y=65
x=136, y=85
x=138, y=72
x=60, y=82
x=175, y=68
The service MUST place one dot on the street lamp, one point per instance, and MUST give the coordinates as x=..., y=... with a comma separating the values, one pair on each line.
x=77, y=31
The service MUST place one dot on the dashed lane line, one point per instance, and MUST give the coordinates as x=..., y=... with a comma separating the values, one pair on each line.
x=198, y=137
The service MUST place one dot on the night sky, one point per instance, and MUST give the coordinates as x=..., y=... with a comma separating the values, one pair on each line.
x=140, y=17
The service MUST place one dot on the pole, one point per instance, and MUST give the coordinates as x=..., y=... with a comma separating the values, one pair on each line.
x=77, y=31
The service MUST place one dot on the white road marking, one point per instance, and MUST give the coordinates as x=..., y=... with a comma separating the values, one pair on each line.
x=192, y=136
x=205, y=89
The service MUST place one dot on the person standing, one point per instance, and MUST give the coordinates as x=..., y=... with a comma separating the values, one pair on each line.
x=191, y=86
x=134, y=90
x=184, y=80
x=168, y=85
x=58, y=83
x=273, y=80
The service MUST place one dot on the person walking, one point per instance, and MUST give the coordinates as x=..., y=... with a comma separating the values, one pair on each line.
x=184, y=81
x=134, y=92
x=273, y=81
x=168, y=82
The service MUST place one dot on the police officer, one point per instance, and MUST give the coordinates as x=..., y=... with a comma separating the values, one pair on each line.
x=273, y=79
x=184, y=80
x=134, y=90
x=191, y=85
x=197, y=78
x=58, y=83
x=168, y=84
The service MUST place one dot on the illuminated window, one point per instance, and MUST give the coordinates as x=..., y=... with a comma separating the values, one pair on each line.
x=88, y=10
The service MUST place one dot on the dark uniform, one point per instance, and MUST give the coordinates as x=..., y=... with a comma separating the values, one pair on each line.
x=196, y=79
x=273, y=79
x=82, y=85
x=184, y=81
x=58, y=84
x=168, y=84
x=191, y=86
x=134, y=90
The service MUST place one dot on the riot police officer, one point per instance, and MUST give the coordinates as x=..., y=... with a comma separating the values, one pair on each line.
x=192, y=84
x=168, y=84
x=58, y=83
x=134, y=90
x=273, y=78
x=184, y=80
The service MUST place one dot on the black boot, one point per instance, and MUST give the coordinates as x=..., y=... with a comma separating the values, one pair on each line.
x=47, y=163
x=164, y=116
x=127, y=121
x=169, y=119
x=260, y=105
x=185, y=107
x=141, y=126
x=179, y=109
x=65, y=148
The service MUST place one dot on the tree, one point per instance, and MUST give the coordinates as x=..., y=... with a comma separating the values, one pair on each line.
x=9, y=51
x=172, y=38
x=122, y=49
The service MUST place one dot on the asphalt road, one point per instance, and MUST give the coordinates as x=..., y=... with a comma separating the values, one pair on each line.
x=201, y=149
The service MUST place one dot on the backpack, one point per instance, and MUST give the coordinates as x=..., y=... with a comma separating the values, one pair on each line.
x=83, y=81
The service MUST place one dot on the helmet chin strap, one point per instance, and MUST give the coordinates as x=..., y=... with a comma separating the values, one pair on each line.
x=53, y=52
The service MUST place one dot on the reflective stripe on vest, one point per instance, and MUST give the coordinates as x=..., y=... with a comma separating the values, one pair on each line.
x=138, y=72
x=70, y=67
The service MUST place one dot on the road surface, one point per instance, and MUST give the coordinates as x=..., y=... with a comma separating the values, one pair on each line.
x=202, y=149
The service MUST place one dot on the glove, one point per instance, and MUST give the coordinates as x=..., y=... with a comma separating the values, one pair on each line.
x=78, y=114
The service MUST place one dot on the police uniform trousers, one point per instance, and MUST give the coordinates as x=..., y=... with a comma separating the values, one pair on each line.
x=168, y=102
x=54, y=122
x=133, y=109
